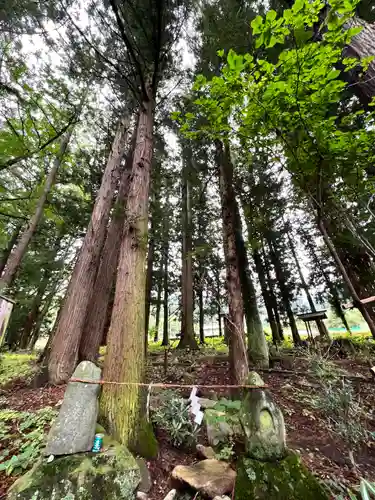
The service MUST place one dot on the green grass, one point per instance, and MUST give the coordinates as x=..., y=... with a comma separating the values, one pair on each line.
x=14, y=366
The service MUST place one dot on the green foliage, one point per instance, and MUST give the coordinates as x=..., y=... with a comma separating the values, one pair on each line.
x=24, y=435
x=173, y=417
x=226, y=452
x=344, y=413
x=340, y=491
x=14, y=366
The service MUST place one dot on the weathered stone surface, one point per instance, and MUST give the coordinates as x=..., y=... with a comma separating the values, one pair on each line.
x=262, y=423
x=205, y=451
x=285, y=479
x=221, y=427
x=206, y=403
x=141, y=495
x=113, y=475
x=210, y=477
x=146, y=482
x=74, y=429
x=171, y=495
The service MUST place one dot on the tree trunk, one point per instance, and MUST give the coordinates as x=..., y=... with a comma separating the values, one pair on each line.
x=361, y=46
x=201, y=316
x=356, y=300
x=272, y=296
x=165, y=340
x=332, y=289
x=121, y=404
x=256, y=340
x=66, y=341
x=7, y=251
x=237, y=349
x=319, y=323
x=187, y=321
x=16, y=257
x=158, y=301
x=99, y=312
x=284, y=292
x=266, y=296
x=219, y=321
x=41, y=315
x=149, y=275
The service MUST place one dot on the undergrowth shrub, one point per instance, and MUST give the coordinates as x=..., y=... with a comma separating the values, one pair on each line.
x=174, y=418
x=22, y=436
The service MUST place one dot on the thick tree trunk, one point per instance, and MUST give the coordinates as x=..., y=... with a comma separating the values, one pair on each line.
x=98, y=312
x=284, y=292
x=17, y=255
x=237, y=348
x=7, y=251
x=256, y=340
x=187, y=320
x=121, y=404
x=361, y=46
x=319, y=323
x=66, y=341
x=266, y=295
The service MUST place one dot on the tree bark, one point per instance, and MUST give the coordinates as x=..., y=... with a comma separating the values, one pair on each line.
x=237, y=349
x=187, y=320
x=158, y=300
x=256, y=340
x=66, y=341
x=7, y=251
x=16, y=257
x=284, y=292
x=98, y=312
x=362, y=45
x=121, y=404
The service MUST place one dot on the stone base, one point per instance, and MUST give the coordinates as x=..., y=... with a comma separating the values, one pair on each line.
x=282, y=480
x=112, y=475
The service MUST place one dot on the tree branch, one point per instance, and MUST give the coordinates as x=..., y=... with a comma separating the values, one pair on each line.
x=129, y=47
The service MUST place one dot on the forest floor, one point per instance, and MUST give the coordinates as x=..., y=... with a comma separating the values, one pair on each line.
x=307, y=428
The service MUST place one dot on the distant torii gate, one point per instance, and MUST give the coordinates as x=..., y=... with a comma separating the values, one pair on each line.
x=318, y=317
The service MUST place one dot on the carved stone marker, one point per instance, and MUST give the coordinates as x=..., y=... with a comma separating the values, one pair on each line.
x=262, y=423
x=74, y=429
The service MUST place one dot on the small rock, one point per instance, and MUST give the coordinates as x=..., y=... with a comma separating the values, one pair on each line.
x=146, y=482
x=141, y=495
x=210, y=477
x=171, y=495
x=224, y=497
x=287, y=387
x=205, y=451
x=74, y=429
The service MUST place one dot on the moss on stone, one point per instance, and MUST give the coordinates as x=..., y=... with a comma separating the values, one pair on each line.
x=147, y=445
x=111, y=475
x=282, y=480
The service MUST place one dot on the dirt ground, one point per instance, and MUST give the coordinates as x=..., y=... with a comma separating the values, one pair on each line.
x=307, y=429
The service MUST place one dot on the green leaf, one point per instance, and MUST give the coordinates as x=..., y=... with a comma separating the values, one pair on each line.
x=334, y=73
x=220, y=53
x=271, y=15
x=256, y=25
x=298, y=5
